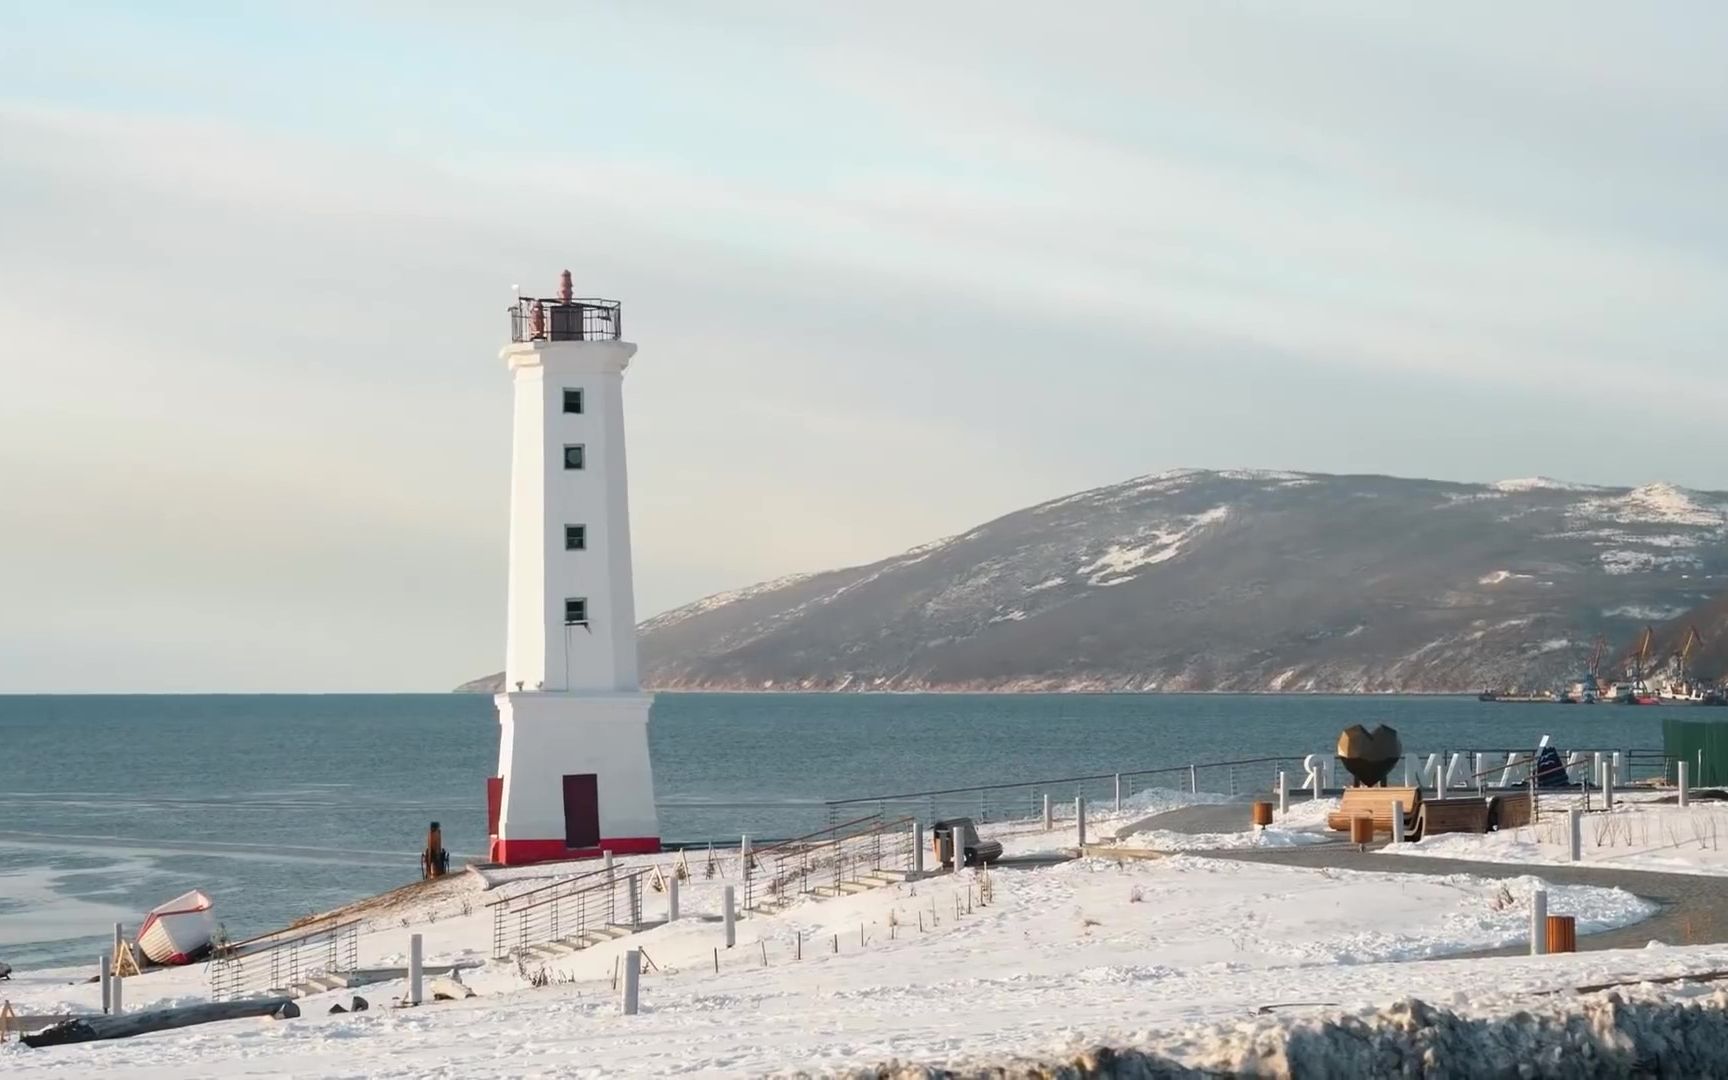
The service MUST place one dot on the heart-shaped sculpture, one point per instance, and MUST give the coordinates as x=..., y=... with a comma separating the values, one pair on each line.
x=1369, y=755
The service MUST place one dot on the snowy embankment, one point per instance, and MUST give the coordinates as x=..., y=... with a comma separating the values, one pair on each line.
x=1064, y=956
x=1636, y=1031
x=1136, y=826
x=1639, y=835
x=1303, y=823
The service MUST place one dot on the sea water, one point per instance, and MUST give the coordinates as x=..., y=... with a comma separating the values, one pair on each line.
x=283, y=805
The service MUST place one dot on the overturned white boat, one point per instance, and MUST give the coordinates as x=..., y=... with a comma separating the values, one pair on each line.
x=179, y=931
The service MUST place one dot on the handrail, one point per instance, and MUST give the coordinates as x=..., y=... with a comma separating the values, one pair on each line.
x=882, y=827
x=1060, y=780
x=560, y=882
x=252, y=946
x=778, y=845
x=610, y=882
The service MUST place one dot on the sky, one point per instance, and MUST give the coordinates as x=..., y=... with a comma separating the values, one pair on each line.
x=894, y=270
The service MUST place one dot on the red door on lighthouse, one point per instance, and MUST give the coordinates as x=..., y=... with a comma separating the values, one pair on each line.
x=581, y=811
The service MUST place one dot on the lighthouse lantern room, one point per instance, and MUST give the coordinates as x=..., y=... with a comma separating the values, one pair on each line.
x=574, y=778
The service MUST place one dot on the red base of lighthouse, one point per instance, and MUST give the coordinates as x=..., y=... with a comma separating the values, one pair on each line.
x=523, y=852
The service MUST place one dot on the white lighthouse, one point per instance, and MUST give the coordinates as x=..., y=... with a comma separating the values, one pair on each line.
x=573, y=773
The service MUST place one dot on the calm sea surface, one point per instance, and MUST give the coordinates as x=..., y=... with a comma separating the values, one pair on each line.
x=282, y=805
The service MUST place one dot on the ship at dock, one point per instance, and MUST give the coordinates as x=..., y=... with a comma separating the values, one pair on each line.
x=1674, y=684
x=1640, y=682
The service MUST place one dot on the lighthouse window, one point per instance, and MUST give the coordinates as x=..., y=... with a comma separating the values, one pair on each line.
x=575, y=538
x=576, y=611
x=572, y=401
x=573, y=456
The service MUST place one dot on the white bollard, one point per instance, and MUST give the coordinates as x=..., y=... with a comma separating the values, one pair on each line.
x=1575, y=833
x=115, y=997
x=631, y=981
x=1398, y=822
x=1118, y=793
x=729, y=915
x=1330, y=766
x=1080, y=820
x=918, y=847
x=1596, y=767
x=606, y=863
x=416, y=989
x=1283, y=793
x=105, y=971
x=636, y=902
x=1049, y=822
x=1607, y=785
x=1316, y=775
x=744, y=854
x=1539, y=922
x=672, y=898
x=1684, y=795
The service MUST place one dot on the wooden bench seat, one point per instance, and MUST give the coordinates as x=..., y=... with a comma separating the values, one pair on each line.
x=1510, y=810
x=1467, y=814
x=1376, y=803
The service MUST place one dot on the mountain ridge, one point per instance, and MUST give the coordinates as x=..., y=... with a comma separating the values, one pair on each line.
x=1236, y=580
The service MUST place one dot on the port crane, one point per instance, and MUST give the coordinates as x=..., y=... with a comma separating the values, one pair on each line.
x=1677, y=663
x=1594, y=669
x=1639, y=658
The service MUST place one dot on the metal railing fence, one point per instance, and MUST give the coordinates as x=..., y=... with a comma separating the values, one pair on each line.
x=828, y=859
x=593, y=901
x=279, y=961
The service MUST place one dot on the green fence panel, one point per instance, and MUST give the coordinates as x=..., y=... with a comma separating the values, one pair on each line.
x=1701, y=743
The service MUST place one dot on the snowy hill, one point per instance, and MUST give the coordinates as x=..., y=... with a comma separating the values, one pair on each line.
x=1196, y=580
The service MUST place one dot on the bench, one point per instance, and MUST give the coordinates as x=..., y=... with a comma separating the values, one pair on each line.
x=1509, y=811
x=1376, y=803
x=1468, y=814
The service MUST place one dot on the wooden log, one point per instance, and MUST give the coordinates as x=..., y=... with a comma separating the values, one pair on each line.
x=124, y=1026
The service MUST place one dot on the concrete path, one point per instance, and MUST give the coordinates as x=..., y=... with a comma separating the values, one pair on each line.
x=1694, y=907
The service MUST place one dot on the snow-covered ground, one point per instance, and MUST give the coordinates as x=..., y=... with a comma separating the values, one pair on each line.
x=1637, y=835
x=1065, y=954
x=1303, y=823
x=1027, y=836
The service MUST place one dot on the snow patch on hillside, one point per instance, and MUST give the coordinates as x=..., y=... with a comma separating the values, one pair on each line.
x=1275, y=477
x=1644, y=612
x=1541, y=483
x=719, y=600
x=1654, y=504
x=1120, y=563
x=1617, y=561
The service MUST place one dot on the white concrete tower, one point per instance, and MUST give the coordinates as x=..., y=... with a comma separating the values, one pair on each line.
x=573, y=773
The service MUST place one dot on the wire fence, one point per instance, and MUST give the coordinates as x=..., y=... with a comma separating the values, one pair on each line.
x=1022, y=801
x=1020, y=805
x=825, y=862
x=279, y=961
x=573, y=909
